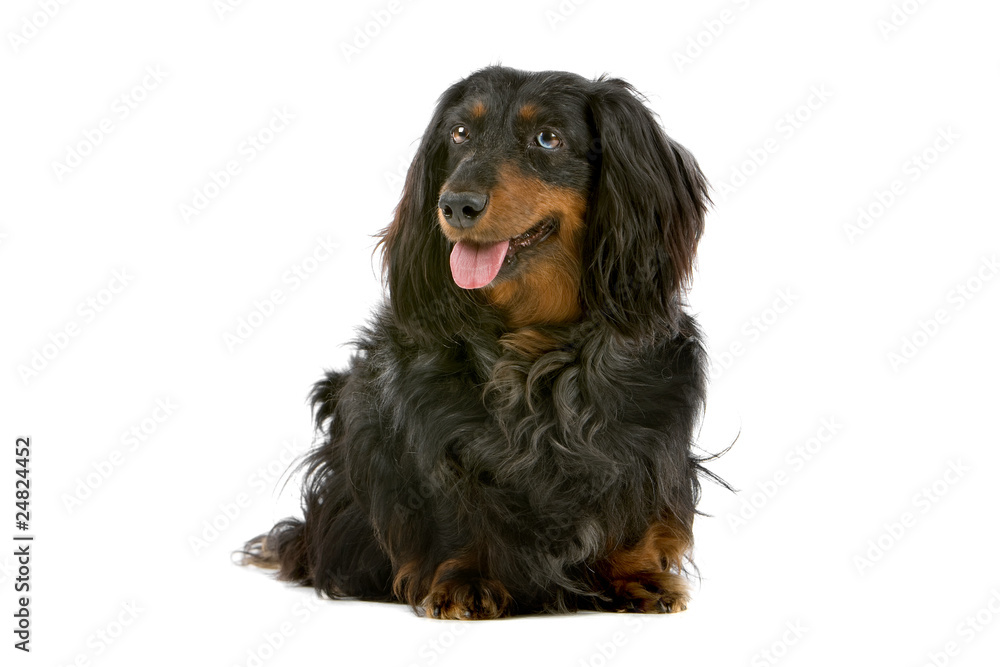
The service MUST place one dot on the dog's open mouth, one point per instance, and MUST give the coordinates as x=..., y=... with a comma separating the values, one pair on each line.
x=475, y=265
x=536, y=234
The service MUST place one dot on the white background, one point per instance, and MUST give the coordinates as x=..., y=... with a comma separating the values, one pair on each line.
x=871, y=549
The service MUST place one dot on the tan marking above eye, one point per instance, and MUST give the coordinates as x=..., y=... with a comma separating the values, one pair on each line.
x=478, y=110
x=528, y=112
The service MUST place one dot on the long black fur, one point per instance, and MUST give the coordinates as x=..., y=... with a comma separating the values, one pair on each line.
x=439, y=440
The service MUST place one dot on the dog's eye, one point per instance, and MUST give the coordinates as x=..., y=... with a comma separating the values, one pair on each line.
x=548, y=140
x=460, y=134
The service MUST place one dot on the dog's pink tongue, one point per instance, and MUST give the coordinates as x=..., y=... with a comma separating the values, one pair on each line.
x=474, y=266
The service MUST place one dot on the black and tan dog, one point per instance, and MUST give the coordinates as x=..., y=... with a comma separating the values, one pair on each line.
x=514, y=434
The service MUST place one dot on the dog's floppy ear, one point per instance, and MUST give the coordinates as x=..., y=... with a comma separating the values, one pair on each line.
x=645, y=217
x=426, y=302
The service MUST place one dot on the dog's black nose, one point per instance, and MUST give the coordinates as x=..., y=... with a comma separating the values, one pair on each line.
x=462, y=209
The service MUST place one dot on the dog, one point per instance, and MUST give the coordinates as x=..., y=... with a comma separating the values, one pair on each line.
x=514, y=434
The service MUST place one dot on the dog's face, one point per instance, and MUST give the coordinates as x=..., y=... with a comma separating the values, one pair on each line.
x=519, y=171
x=549, y=198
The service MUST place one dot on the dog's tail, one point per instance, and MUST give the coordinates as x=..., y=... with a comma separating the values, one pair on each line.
x=284, y=549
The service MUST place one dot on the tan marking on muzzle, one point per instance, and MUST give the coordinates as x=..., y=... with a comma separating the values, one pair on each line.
x=547, y=290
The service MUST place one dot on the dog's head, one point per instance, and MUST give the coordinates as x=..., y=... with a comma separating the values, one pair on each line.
x=548, y=198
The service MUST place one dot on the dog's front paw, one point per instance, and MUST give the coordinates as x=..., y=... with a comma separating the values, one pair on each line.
x=467, y=598
x=650, y=593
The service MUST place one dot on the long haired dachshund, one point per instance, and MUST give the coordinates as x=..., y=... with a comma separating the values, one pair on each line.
x=514, y=433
